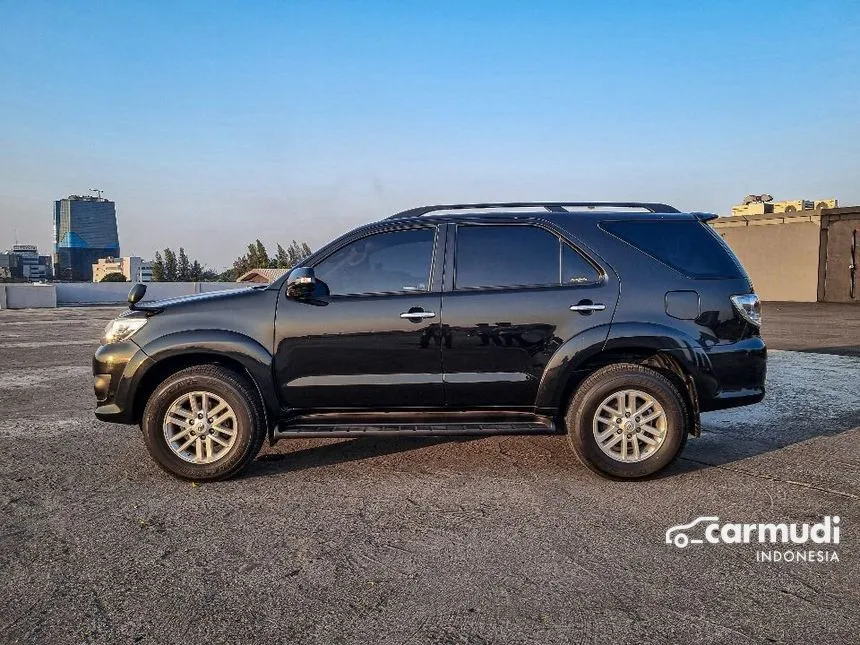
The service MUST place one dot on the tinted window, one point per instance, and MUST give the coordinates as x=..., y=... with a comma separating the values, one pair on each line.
x=688, y=246
x=382, y=263
x=575, y=269
x=511, y=256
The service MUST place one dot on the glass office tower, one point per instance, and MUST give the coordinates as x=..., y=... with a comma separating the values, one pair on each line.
x=84, y=231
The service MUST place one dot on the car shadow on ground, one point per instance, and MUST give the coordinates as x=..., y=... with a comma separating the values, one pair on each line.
x=718, y=446
x=342, y=450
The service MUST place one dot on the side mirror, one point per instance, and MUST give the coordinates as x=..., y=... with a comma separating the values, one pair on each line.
x=301, y=283
x=136, y=294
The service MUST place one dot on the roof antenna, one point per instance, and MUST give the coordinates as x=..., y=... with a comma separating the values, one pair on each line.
x=99, y=191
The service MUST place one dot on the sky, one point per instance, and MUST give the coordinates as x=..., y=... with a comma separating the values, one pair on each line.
x=212, y=124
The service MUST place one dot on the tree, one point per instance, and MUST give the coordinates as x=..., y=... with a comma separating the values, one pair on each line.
x=158, y=268
x=282, y=258
x=175, y=267
x=183, y=267
x=114, y=277
x=262, y=257
x=196, y=272
x=253, y=256
x=210, y=275
x=170, y=273
x=297, y=252
x=258, y=258
x=292, y=256
x=240, y=265
x=229, y=275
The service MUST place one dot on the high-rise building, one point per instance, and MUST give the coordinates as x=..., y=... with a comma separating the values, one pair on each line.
x=84, y=231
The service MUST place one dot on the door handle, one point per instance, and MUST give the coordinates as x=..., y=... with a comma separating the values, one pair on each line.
x=586, y=307
x=417, y=315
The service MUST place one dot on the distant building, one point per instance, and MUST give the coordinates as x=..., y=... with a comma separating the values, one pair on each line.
x=84, y=231
x=799, y=256
x=134, y=269
x=262, y=276
x=10, y=266
x=23, y=262
x=34, y=267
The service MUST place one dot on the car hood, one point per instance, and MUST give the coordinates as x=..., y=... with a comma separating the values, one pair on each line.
x=226, y=294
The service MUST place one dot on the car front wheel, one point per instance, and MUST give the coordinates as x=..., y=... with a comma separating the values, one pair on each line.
x=627, y=421
x=203, y=423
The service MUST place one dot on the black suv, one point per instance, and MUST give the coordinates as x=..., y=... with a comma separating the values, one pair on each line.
x=615, y=323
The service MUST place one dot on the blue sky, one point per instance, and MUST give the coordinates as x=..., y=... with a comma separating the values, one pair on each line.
x=211, y=123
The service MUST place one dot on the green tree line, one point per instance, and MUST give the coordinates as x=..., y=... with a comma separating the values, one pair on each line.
x=258, y=257
x=170, y=266
x=176, y=267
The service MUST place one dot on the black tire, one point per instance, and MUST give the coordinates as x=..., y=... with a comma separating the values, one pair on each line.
x=228, y=386
x=600, y=385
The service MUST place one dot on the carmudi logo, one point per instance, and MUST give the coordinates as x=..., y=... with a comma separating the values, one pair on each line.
x=708, y=529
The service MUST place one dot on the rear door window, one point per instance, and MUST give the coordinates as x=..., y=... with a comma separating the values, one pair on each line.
x=497, y=256
x=687, y=246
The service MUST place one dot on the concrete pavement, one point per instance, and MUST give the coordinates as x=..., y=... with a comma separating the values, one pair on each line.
x=490, y=540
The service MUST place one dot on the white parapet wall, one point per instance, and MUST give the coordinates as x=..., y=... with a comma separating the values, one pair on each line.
x=71, y=294
x=80, y=294
x=29, y=296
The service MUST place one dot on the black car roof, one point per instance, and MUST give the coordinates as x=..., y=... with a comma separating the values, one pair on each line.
x=545, y=210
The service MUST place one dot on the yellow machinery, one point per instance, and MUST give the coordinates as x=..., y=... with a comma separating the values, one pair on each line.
x=793, y=205
x=763, y=204
x=755, y=208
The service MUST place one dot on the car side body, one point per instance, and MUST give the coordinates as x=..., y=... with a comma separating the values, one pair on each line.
x=444, y=356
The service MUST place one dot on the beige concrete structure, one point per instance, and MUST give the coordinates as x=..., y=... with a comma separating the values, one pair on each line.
x=780, y=252
x=134, y=269
x=802, y=256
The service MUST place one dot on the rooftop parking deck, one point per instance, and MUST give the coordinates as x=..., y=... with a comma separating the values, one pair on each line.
x=497, y=539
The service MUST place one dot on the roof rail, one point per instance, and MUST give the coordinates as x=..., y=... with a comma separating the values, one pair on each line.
x=552, y=207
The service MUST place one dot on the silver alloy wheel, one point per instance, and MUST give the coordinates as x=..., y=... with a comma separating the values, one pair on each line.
x=200, y=427
x=630, y=426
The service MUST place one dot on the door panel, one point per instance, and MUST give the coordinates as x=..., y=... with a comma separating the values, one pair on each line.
x=357, y=352
x=499, y=339
x=374, y=342
x=498, y=344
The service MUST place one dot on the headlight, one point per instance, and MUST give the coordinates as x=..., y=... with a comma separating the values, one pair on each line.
x=748, y=307
x=120, y=329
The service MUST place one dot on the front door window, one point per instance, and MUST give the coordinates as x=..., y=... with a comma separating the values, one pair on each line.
x=392, y=262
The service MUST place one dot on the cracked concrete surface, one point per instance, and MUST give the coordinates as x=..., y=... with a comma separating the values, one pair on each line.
x=490, y=540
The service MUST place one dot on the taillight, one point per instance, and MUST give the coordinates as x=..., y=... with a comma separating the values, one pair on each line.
x=749, y=307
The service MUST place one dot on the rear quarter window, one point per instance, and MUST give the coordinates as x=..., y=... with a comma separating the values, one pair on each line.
x=688, y=246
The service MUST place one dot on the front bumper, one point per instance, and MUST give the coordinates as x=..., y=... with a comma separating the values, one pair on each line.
x=116, y=370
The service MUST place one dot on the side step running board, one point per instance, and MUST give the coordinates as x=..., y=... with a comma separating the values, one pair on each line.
x=414, y=429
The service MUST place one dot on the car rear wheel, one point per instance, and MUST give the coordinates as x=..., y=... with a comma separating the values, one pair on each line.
x=627, y=421
x=203, y=423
